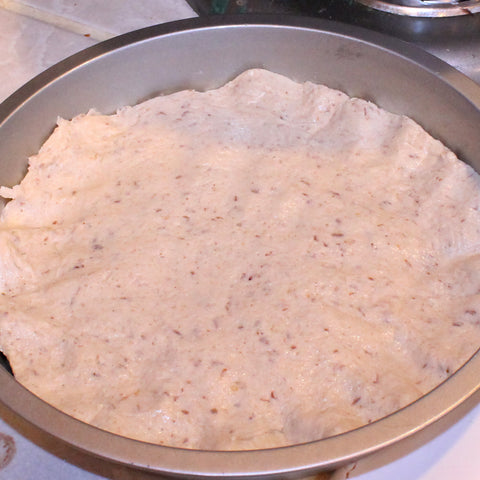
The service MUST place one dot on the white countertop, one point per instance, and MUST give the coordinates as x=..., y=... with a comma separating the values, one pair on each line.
x=35, y=34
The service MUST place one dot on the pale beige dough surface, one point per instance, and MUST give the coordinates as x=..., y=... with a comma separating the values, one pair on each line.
x=264, y=264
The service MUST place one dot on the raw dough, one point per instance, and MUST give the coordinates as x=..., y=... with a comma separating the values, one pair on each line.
x=258, y=265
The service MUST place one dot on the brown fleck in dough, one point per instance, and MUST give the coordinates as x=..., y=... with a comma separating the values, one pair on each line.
x=7, y=450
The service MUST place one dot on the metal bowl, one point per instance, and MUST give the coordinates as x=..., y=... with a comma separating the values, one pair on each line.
x=202, y=54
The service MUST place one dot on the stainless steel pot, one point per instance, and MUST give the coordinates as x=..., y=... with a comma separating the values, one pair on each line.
x=202, y=54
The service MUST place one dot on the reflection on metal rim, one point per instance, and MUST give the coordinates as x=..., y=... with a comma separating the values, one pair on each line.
x=425, y=8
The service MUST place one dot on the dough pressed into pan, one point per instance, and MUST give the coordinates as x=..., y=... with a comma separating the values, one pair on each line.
x=263, y=264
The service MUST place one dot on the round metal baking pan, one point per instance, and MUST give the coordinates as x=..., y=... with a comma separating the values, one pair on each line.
x=205, y=53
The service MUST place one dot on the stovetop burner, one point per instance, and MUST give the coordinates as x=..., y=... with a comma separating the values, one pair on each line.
x=455, y=38
x=425, y=8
